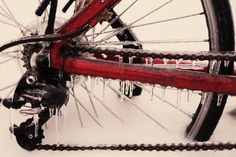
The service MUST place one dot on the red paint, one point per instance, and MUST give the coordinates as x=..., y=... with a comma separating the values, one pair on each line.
x=101, y=68
x=183, y=79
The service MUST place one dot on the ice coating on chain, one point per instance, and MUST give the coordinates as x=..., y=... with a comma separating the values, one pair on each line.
x=165, y=60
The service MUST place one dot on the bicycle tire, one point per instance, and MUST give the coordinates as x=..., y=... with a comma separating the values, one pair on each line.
x=221, y=32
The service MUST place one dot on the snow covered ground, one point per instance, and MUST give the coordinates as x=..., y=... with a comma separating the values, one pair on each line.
x=119, y=123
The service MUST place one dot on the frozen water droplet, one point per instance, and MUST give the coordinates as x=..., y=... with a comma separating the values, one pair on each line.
x=122, y=90
x=219, y=99
x=92, y=85
x=177, y=61
x=98, y=80
x=163, y=92
x=165, y=60
x=104, y=84
x=11, y=123
x=51, y=112
x=150, y=61
x=189, y=95
x=127, y=85
x=36, y=123
x=179, y=92
x=194, y=64
x=131, y=88
x=120, y=59
x=131, y=60
x=57, y=127
x=226, y=64
x=152, y=92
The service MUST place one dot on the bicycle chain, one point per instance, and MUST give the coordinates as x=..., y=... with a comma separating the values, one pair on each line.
x=202, y=55
x=143, y=147
x=219, y=56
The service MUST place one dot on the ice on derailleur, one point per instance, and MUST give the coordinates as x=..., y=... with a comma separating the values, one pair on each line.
x=219, y=99
x=36, y=123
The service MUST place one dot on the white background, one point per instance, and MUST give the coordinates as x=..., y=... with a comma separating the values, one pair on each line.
x=226, y=131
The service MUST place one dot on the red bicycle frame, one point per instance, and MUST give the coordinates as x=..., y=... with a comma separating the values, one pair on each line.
x=184, y=79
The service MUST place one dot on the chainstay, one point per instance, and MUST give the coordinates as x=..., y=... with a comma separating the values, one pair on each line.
x=144, y=147
x=198, y=55
x=204, y=55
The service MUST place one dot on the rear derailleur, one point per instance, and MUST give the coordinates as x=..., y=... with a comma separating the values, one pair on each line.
x=40, y=91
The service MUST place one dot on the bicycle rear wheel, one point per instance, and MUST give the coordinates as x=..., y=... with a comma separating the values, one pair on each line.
x=152, y=28
x=220, y=37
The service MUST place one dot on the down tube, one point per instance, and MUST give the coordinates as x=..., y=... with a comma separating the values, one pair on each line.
x=183, y=79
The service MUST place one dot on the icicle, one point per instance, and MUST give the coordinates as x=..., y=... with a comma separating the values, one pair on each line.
x=104, y=83
x=51, y=110
x=150, y=61
x=219, y=99
x=120, y=59
x=146, y=61
x=57, y=127
x=131, y=60
x=11, y=123
x=36, y=124
x=65, y=114
x=177, y=62
x=163, y=92
x=98, y=80
x=92, y=85
x=131, y=88
x=122, y=89
x=189, y=95
x=152, y=92
x=226, y=64
x=179, y=92
x=165, y=60
x=127, y=86
x=194, y=64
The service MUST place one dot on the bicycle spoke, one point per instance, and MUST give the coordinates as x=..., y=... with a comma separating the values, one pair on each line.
x=7, y=87
x=132, y=23
x=20, y=26
x=77, y=107
x=86, y=110
x=168, y=20
x=167, y=102
x=103, y=104
x=171, y=41
x=138, y=108
x=118, y=16
x=8, y=60
x=92, y=103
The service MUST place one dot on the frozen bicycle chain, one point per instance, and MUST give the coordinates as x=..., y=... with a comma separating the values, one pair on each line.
x=143, y=147
x=202, y=55
x=220, y=56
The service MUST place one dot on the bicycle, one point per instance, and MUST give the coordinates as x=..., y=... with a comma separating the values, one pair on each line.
x=55, y=57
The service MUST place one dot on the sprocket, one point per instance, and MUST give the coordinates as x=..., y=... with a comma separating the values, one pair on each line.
x=26, y=136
